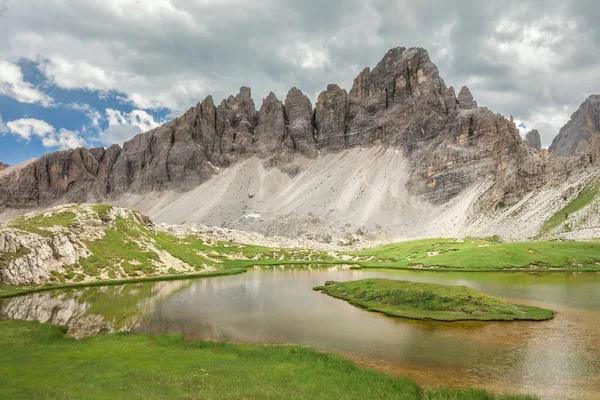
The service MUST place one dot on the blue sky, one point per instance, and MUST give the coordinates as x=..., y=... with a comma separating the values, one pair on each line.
x=80, y=114
x=92, y=73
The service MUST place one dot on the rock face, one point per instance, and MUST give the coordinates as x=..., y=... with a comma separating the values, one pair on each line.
x=3, y=166
x=300, y=123
x=39, y=251
x=448, y=143
x=579, y=131
x=465, y=99
x=45, y=256
x=533, y=139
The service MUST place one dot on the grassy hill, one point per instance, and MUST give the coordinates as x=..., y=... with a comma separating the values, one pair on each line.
x=84, y=243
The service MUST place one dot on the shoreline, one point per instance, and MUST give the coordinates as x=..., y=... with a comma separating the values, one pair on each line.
x=15, y=291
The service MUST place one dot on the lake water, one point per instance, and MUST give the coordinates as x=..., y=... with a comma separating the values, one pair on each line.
x=553, y=359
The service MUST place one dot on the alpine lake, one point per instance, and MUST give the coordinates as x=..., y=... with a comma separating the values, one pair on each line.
x=554, y=359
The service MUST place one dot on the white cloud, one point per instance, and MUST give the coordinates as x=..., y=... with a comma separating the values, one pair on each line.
x=63, y=139
x=93, y=114
x=122, y=126
x=547, y=120
x=521, y=57
x=76, y=74
x=27, y=128
x=307, y=55
x=13, y=85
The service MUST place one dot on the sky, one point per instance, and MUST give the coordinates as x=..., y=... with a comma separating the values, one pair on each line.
x=81, y=73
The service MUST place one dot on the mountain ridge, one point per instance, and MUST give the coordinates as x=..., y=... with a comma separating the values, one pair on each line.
x=448, y=145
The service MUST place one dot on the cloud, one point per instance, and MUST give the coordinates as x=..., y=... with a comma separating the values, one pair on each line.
x=26, y=128
x=122, y=126
x=13, y=85
x=93, y=114
x=526, y=58
x=3, y=128
x=63, y=139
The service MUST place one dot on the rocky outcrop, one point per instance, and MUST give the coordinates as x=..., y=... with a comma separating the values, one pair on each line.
x=41, y=247
x=577, y=134
x=41, y=255
x=533, y=139
x=300, y=124
x=465, y=99
x=3, y=166
x=271, y=139
x=330, y=118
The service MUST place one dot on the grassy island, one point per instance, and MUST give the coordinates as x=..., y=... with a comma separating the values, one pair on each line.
x=430, y=301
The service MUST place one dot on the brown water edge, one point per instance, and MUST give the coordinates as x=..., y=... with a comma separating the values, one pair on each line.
x=554, y=334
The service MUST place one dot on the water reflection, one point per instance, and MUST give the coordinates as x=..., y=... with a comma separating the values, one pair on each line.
x=92, y=310
x=554, y=359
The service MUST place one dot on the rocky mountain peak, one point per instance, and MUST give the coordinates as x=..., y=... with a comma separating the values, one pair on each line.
x=270, y=132
x=583, y=126
x=443, y=144
x=300, y=124
x=466, y=100
x=533, y=139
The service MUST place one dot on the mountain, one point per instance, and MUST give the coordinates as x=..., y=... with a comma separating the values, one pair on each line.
x=577, y=134
x=534, y=140
x=3, y=166
x=400, y=156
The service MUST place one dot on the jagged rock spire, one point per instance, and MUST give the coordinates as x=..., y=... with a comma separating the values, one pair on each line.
x=533, y=139
x=465, y=99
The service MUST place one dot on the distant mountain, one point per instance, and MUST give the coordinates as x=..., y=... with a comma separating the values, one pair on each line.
x=576, y=135
x=399, y=155
x=533, y=139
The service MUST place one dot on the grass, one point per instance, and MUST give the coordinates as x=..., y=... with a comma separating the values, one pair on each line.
x=430, y=301
x=103, y=211
x=39, y=362
x=40, y=223
x=119, y=246
x=482, y=255
x=131, y=249
x=583, y=199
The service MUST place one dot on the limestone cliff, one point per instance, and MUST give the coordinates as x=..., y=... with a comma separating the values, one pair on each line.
x=451, y=151
x=577, y=134
x=402, y=103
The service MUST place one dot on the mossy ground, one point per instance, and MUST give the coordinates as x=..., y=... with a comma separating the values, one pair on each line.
x=39, y=362
x=39, y=224
x=482, y=255
x=430, y=301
